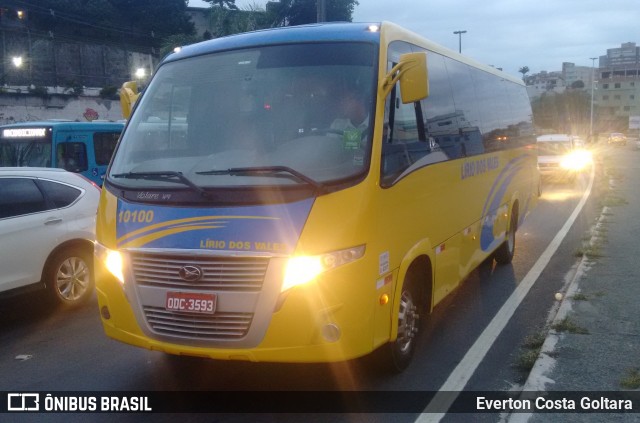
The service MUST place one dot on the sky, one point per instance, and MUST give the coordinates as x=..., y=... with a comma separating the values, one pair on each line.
x=509, y=34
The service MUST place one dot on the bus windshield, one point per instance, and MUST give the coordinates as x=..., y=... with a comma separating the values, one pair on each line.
x=25, y=147
x=554, y=148
x=274, y=115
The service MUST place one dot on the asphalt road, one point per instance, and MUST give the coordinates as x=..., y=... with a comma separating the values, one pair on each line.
x=44, y=349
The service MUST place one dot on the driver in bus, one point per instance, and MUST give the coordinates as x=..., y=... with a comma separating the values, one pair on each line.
x=354, y=118
x=354, y=112
x=65, y=160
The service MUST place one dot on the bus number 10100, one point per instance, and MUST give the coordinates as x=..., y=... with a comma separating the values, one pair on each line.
x=136, y=216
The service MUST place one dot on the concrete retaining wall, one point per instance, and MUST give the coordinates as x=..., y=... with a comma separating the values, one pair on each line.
x=25, y=108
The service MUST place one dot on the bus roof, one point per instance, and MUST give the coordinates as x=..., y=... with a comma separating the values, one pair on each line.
x=67, y=125
x=324, y=32
x=334, y=31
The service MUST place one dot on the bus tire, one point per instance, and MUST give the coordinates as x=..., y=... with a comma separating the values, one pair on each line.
x=69, y=276
x=504, y=253
x=399, y=353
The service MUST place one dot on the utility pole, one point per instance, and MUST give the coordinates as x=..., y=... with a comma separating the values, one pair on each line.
x=459, y=33
x=593, y=83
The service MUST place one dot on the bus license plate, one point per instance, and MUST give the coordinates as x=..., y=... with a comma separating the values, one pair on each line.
x=191, y=302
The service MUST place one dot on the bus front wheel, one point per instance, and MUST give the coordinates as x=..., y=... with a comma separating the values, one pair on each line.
x=398, y=354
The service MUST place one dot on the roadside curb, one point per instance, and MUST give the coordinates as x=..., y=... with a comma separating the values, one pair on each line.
x=537, y=380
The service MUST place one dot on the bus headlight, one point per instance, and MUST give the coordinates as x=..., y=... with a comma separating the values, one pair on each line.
x=577, y=160
x=303, y=269
x=111, y=260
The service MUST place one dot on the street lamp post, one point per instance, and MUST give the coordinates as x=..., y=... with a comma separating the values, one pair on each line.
x=593, y=83
x=459, y=33
x=16, y=62
x=321, y=11
x=141, y=73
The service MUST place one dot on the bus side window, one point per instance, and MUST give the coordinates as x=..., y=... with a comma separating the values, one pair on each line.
x=72, y=156
x=405, y=148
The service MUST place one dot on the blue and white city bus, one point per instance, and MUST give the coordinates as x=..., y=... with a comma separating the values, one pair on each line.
x=80, y=147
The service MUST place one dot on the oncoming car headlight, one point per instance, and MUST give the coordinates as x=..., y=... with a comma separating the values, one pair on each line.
x=303, y=269
x=577, y=160
x=111, y=260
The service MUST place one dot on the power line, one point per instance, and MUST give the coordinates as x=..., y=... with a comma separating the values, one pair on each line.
x=38, y=34
x=74, y=18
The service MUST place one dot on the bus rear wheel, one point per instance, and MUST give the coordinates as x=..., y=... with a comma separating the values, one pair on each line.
x=504, y=253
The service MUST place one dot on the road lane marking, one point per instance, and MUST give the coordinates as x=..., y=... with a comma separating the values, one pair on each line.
x=458, y=379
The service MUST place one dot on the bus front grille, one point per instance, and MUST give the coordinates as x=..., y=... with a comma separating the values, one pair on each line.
x=245, y=274
x=215, y=327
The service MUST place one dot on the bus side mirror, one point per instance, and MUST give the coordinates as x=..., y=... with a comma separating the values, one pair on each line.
x=411, y=71
x=128, y=96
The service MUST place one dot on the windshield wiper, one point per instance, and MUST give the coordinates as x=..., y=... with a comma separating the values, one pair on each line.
x=266, y=170
x=169, y=176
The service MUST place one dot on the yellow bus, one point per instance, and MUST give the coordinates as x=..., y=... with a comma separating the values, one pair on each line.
x=246, y=215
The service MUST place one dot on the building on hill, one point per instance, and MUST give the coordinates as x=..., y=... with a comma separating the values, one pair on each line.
x=544, y=82
x=618, y=93
x=577, y=77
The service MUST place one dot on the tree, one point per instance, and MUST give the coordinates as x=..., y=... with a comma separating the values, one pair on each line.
x=223, y=4
x=157, y=18
x=579, y=84
x=226, y=18
x=229, y=21
x=177, y=40
x=299, y=12
x=568, y=112
x=524, y=70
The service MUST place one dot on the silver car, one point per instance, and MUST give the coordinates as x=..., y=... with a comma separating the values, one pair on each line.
x=617, y=138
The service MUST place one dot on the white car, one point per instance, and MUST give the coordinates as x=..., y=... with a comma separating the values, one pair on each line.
x=47, y=229
x=561, y=155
